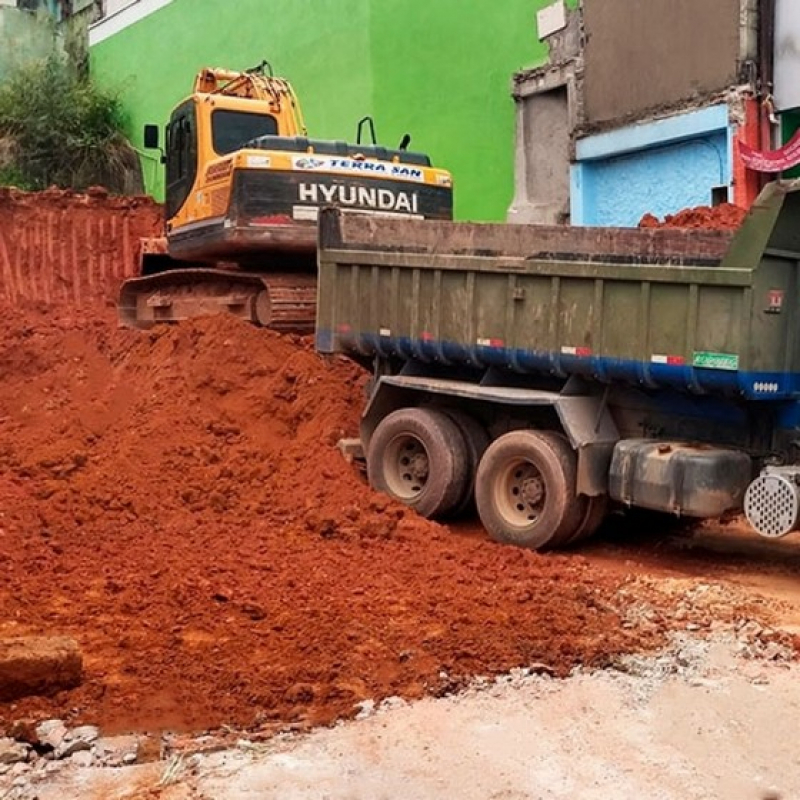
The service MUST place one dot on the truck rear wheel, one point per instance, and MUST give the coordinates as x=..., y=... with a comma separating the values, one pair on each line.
x=419, y=457
x=596, y=512
x=477, y=440
x=525, y=489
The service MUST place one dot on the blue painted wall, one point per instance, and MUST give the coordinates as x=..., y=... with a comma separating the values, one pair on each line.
x=658, y=167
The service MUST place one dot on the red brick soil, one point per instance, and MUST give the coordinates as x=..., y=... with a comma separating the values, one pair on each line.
x=174, y=500
x=724, y=217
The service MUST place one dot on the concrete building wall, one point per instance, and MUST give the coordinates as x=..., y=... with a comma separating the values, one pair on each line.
x=24, y=36
x=432, y=69
x=640, y=56
x=659, y=97
x=542, y=158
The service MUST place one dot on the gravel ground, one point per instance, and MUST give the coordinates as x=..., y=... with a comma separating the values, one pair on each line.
x=703, y=719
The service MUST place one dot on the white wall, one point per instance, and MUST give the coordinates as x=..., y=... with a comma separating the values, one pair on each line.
x=119, y=14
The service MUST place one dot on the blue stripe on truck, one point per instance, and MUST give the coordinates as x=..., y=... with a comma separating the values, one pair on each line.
x=685, y=377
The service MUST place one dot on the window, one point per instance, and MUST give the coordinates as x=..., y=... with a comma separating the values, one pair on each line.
x=233, y=129
x=181, y=157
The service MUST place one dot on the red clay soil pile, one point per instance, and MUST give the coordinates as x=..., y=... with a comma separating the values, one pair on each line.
x=62, y=247
x=175, y=502
x=724, y=217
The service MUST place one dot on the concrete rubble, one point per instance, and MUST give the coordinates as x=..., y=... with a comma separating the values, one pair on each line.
x=52, y=746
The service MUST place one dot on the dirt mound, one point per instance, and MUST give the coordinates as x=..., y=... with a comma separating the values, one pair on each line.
x=62, y=247
x=175, y=502
x=724, y=217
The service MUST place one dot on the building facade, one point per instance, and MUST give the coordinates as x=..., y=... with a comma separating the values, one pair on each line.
x=32, y=30
x=431, y=69
x=655, y=99
x=24, y=35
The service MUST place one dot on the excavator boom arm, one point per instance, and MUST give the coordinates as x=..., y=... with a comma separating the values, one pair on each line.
x=251, y=85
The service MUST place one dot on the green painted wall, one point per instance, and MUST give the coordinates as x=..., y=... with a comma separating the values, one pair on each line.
x=437, y=69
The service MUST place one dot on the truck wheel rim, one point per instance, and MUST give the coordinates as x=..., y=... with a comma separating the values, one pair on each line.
x=406, y=467
x=520, y=493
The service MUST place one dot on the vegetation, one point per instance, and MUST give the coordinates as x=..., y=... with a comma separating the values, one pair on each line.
x=58, y=129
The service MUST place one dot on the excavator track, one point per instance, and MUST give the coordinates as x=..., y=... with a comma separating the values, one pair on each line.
x=283, y=302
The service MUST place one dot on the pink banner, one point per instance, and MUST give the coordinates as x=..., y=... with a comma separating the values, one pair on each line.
x=773, y=160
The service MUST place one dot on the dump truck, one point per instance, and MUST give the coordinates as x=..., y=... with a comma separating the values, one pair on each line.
x=549, y=374
x=244, y=185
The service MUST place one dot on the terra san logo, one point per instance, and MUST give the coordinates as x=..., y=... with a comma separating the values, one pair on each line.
x=309, y=163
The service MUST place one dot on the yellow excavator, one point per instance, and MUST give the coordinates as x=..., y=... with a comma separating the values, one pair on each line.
x=244, y=186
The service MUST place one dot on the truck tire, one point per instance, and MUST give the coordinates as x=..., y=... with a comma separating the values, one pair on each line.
x=596, y=511
x=419, y=457
x=525, y=489
x=477, y=440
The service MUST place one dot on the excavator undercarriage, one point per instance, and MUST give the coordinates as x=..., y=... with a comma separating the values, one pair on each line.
x=282, y=301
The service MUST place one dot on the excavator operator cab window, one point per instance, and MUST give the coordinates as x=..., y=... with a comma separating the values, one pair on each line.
x=181, y=157
x=231, y=130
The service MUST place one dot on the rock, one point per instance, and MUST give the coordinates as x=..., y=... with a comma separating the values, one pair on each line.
x=83, y=758
x=12, y=752
x=69, y=747
x=20, y=768
x=24, y=730
x=43, y=728
x=38, y=665
x=51, y=733
x=114, y=751
x=773, y=651
x=392, y=702
x=366, y=708
x=88, y=733
x=77, y=740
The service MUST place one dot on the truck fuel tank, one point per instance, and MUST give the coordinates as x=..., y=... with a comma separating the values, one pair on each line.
x=691, y=480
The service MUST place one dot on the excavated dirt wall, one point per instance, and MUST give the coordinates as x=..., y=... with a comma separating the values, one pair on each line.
x=59, y=247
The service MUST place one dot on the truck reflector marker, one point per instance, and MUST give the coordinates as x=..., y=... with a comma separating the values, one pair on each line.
x=766, y=388
x=344, y=328
x=385, y=332
x=489, y=342
x=671, y=360
x=426, y=336
x=581, y=352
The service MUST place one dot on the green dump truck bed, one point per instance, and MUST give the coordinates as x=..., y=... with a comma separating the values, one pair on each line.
x=704, y=311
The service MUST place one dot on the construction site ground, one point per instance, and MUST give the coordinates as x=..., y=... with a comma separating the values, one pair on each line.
x=174, y=501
